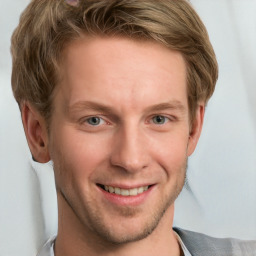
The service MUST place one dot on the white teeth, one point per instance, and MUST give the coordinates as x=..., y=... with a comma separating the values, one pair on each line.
x=118, y=191
x=140, y=190
x=134, y=192
x=110, y=189
x=126, y=192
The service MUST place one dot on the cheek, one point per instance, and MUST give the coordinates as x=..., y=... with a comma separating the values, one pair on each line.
x=77, y=153
x=170, y=151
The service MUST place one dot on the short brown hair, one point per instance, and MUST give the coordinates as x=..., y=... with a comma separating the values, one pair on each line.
x=46, y=26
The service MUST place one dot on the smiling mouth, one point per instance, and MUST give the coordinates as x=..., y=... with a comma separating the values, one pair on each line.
x=124, y=192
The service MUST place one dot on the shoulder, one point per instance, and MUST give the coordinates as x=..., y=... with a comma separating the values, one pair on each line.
x=200, y=245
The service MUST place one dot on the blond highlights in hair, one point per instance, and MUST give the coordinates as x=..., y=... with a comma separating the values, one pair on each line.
x=47, y=26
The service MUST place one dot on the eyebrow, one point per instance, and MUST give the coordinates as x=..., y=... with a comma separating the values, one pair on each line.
x=171, y=105
x=81, y=105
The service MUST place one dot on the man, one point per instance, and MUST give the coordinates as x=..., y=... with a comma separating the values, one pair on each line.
x=114, y=93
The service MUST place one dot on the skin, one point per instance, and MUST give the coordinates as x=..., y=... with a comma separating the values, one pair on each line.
x=120, y=118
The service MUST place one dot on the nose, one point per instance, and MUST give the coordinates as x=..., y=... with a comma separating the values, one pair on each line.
x=130, y=150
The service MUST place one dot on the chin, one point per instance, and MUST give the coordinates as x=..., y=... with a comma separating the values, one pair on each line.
x=128, y=227
x=124, y=234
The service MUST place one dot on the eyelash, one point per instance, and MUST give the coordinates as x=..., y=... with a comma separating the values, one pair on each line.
x=151, y=121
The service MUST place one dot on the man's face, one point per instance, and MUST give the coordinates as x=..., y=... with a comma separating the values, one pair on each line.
x=119, y=136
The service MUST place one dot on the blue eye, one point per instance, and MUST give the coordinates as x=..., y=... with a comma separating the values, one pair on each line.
x=94, y=120
x=160, y=119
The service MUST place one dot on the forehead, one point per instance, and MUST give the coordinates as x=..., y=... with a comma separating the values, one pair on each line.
x=113, y=69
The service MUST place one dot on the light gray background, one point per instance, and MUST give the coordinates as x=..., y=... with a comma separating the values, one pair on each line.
x=220, y=197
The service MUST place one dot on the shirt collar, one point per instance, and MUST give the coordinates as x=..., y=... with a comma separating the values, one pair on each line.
x=182, y=245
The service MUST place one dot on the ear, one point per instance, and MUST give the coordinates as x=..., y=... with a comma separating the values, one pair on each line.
x=196, y=128
x=36, y=133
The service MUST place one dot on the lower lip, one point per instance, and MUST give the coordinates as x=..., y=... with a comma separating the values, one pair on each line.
x=127, y=200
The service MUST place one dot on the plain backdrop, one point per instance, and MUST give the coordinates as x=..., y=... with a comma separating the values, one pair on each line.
x=219, y=198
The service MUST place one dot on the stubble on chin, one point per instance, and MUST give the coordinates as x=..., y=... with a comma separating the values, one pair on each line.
x=150, y=221
x=92, y=220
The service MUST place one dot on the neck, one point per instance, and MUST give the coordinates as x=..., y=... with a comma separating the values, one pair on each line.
x=76, y=240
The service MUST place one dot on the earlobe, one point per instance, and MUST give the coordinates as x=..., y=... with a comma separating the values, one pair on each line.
x=36, y=133
x=196, y=128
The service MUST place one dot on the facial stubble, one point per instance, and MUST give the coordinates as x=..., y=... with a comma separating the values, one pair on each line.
x=90, y=218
